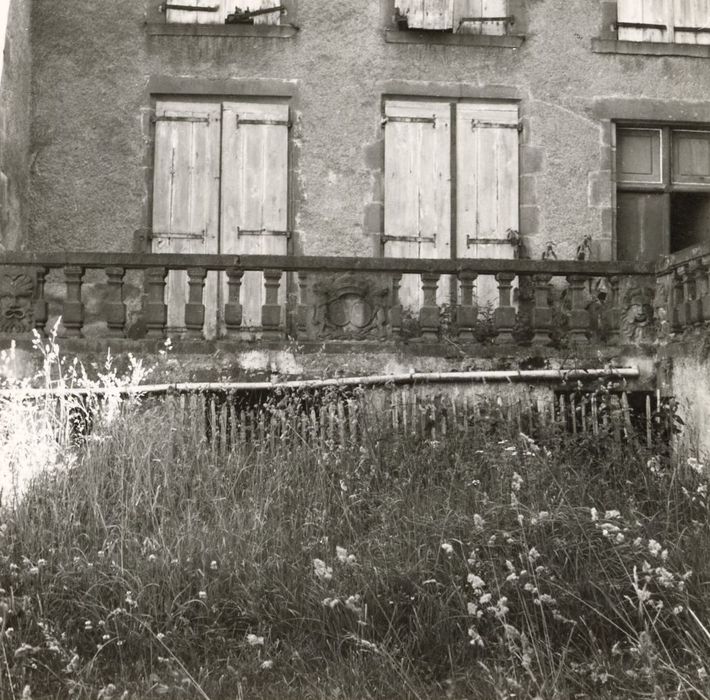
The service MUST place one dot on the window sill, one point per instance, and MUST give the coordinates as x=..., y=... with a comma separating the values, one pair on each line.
x=650, y=48
x=269, y=31
x=413, y=36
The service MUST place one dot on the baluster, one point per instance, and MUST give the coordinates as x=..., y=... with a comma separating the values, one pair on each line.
x=542, y=313
x=429, y=313
x=195, y=308
x=693, y=303
x=396, y=308
x=467, y=312
x=271, y=309
x=504, y=315
x=303, y=306
x=73, y=309
x=40, y=310
x=114, y=307
x=233, y=306
x=579, y=321
x=705, y=298
x=613, y=314
x=156, y=310
x=679, y=299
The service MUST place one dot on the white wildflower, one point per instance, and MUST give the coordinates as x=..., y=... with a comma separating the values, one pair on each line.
x=446, y=546
x=478, y=522
x=476, y=582
x=255, y=641
x=654, y=548
x=322, y=572
x=266, y=665
x=595, y=514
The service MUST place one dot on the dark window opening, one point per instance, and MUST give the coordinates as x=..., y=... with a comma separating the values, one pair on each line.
x=690, y=219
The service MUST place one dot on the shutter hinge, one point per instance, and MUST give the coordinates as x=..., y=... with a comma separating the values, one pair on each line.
x=479, y=124
x=178, y=234
x=188, y=8
x=262, y=232
x=166, y=118
x=639, y=25
x=472, y=240
x=509, y=19
x=408, y=239
x=411, y=120
x=263, y=122
x=247, y=16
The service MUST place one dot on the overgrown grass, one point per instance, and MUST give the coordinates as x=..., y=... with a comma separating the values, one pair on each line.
x=483, y=565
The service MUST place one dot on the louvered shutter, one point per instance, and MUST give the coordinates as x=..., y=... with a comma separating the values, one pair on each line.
x=654, y=17
x=205, y=12
x=427, y=14
x=417, y=186
x=480, y=16
x=487, y=184
x=254, y=191
x=692, y=14
x=186, y=196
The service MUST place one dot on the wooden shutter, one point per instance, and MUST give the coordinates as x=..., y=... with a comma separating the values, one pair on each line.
x=186, y=196
x=486, y=184
x=653, y=17
x=427, y=14
x=417, y=186
x=638, y=156
x=688, y=15
x=691, y=157
x=271, y=17
x=641, y=226
x=476, y=16
x=254, y=191
x=205, y=12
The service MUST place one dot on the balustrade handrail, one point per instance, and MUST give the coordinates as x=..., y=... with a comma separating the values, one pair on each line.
x=312, y=263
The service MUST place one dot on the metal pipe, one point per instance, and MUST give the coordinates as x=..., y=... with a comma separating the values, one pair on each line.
x=482, y=376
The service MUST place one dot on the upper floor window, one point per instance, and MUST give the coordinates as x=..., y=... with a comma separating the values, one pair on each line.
x=266, y=12
x=490, y=17
x=664, y=21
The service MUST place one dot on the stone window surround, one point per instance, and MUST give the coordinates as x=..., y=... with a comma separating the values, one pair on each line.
x=531, y=155
x=513, y=40
x=156, y=25
x=213, y=89
x=613, y=111
x=608, y=40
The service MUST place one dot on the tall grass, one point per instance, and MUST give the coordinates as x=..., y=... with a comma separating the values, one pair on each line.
x=149, y=561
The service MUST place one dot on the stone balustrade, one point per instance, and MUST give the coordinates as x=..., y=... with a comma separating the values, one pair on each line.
x=309, y=298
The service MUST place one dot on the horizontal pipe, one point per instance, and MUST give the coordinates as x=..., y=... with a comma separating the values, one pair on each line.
x=482, y=376
x=313, y=263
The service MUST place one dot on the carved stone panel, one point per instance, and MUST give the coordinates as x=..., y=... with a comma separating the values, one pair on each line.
x=350, y=307
x=17, y=287
x=637, y=322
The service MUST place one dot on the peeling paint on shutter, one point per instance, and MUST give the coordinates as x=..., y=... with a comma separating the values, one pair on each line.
x=486, y=184
x=205, y=12
x=480, y=16
x=417, y=187
x=186, y=197
x=427, y=14
x=254, y=192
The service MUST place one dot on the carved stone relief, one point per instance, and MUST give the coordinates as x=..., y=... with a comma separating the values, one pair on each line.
x=351, y=307
x=16, y=297
x=637, y=316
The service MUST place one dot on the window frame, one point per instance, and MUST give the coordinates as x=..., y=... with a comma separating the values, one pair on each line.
x=666, y=186
x=512, y=39
x=157, y=25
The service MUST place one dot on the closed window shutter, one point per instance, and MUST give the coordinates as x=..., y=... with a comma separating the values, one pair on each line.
x=254, y=190
x=205, y=12
x=268, y=18
x=650, y=20
x=427, y=14
x=417, y=185
x=692, y=14
x=487, y=180
x=186, y=192
x=480, y=17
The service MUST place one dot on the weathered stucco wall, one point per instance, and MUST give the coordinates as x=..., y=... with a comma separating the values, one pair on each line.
x=92, y=141
x=15, y=72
